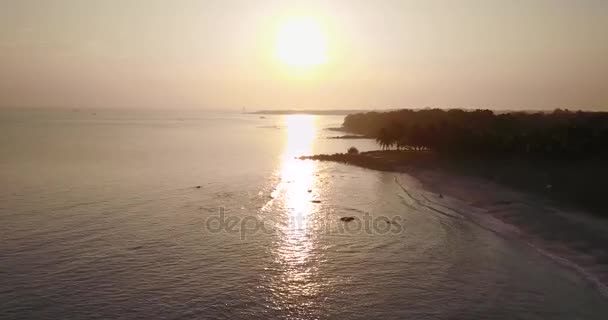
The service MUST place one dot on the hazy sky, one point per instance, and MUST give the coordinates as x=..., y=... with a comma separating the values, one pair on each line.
x=381, y=54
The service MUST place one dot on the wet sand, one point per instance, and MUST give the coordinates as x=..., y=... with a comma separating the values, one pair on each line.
x=572, y=238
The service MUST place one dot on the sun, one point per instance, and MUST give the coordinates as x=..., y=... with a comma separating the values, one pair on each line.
x=301, y=43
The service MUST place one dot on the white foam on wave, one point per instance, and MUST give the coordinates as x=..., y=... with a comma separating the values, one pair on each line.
x=456, y=208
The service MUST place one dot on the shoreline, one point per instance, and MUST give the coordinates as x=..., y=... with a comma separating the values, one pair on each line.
x=572, y=238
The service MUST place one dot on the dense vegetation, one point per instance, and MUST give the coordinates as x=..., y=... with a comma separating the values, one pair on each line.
x=558, y=134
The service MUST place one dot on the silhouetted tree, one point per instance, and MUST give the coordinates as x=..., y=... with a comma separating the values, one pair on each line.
x=559, y=134
x=353, y=150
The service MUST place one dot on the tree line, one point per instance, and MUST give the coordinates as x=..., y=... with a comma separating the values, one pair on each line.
x=560, y=133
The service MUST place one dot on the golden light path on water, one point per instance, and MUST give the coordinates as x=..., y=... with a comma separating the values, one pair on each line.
x=294, y=286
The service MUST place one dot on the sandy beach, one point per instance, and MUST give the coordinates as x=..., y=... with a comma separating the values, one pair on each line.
x=575, y=239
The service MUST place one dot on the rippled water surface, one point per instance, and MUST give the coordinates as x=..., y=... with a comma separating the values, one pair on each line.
x=101, y=218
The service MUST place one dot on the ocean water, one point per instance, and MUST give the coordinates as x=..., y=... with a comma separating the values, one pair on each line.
x=191, y=215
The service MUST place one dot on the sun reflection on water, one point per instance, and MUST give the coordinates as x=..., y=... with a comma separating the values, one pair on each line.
x=297, y=175
x=293, y=198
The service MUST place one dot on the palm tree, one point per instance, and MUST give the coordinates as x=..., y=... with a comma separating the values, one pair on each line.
x=384, y=139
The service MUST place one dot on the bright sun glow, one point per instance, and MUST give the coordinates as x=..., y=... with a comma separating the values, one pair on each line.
x=301, y=43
